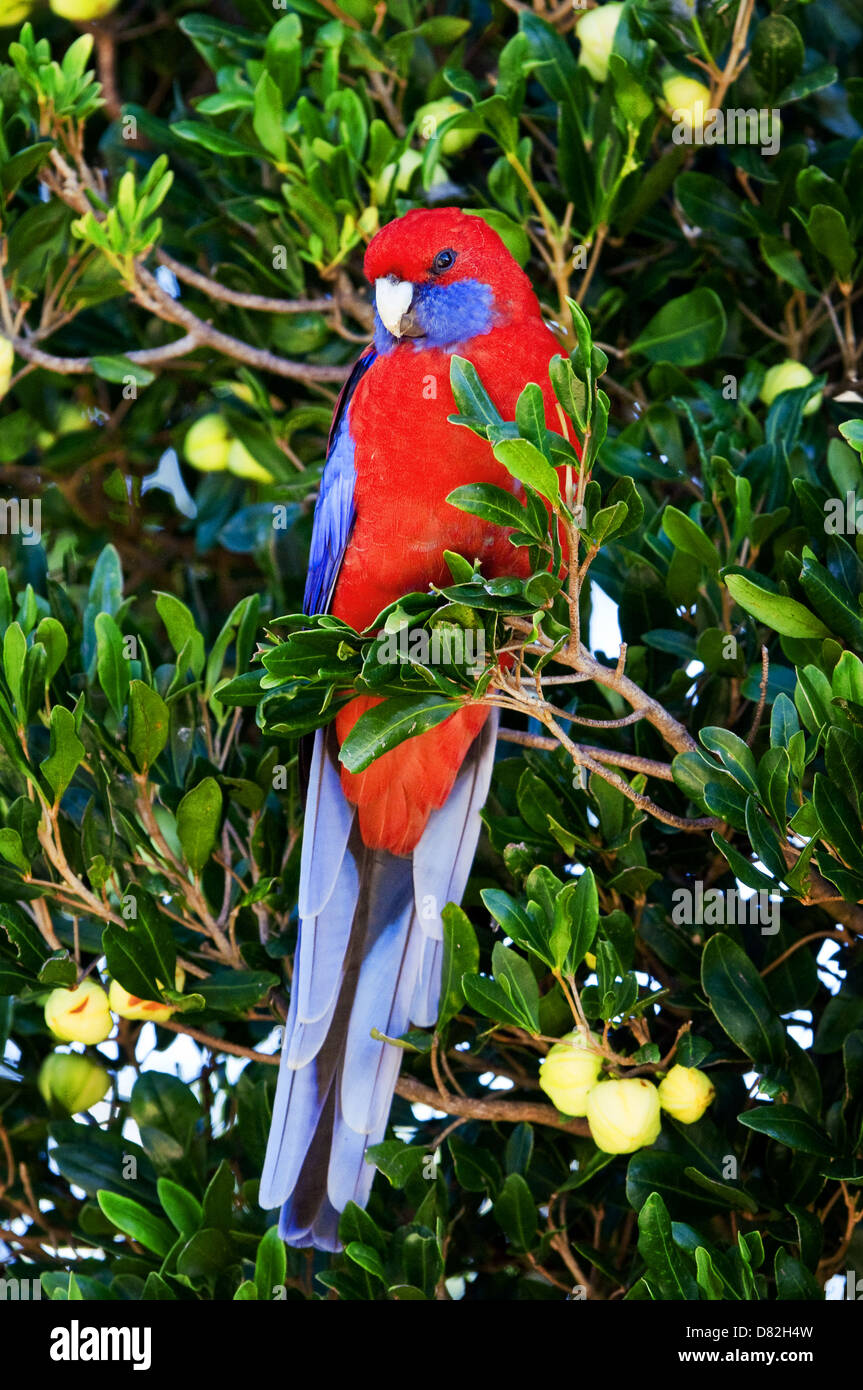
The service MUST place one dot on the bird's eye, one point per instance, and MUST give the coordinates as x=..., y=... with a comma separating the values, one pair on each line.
x=442, y=261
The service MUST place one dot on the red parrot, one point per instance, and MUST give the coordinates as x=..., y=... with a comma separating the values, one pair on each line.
x=386, y=849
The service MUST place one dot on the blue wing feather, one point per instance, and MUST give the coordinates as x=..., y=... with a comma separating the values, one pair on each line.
x=335, y=512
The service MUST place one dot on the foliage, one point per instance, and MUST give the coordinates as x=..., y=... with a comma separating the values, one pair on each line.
x=182, y=235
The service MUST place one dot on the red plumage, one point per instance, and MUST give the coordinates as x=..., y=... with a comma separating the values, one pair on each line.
x=408, y=458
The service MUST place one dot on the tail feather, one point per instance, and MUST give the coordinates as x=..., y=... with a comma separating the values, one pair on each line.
x=369, y=957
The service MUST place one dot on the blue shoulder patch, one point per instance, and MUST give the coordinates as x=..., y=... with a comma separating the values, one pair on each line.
x=335, y=512
x=448, y=314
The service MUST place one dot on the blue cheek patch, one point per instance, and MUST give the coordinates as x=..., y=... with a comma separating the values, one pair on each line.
x=449, y=314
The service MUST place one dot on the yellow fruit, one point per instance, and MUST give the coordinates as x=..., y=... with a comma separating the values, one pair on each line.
x=569, y=1073
x=590, y=960
x=14, y=12
x=72, y=1082
x=788, y=376
x=208, y=443
x=433, y=114
x=596, y=31
x=687, y=102
x=79, y=1015
x=72, y=417
x=686, y=1093
x=7, y=356
x=83, y=10
x=623, y=1115
x=149, y=1010
x=245, y=465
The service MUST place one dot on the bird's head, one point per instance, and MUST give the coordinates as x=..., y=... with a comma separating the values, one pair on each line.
x=442, y=276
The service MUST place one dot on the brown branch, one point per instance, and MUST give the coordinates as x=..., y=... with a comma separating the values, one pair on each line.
x=159, y=302
x=265, y=303
x=631, y=761
x=472, y=1107
x=410, y=1089
x=804, y=940
x=79, y=366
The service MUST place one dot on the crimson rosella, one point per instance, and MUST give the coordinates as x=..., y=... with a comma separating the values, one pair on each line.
x=386, y=849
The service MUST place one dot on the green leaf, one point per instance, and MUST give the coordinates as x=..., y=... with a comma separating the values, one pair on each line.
x=14, y=654
x=267, y=118
x=666, y=1267
x=270, y=1264
x=12, y=849
x=112, y=666
x=388, y=724
x=53, y=638
x=740, y=1001
x=66, y=752
x=828, y=232
x=515, y=1212
x=236, y=991
x=476, y=1170
x=219, y=142
x=199, y=816
x=686, y=331
x=181, y=628
x=517, y=980
x=182, y=1209
x=137, y=1222
x=789, y=1125
x=460, y=957
x=784, y=262
x=736, y=757
x=852, y=430
x=493, y=504
x=685, y=535
x=793, y=1280
x=206, y=1255
x=785, y=615
x=121, y=370
x=492, y=1001
x=149, y=722
x=576, y=921
x=472, y=400
x=525, y=462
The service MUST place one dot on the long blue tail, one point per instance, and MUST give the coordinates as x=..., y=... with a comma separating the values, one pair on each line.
x=369, y=956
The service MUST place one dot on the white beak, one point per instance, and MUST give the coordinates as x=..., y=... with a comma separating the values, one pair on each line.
x=393, y=299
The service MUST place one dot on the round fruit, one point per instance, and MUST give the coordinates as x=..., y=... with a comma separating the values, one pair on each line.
x=569, y=1072
x=596, y=31
x=207, y=444
x=245, y=465
x=687, y=101
x=433, y=114
x=150, y=1010
x=7, y=356
x=72, y=1082
x=788, y=376
x=623, y=1115
x=686, y=1093
x=83, y=11
x=14, y=12
x=72, y=417
x=79, y=1015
